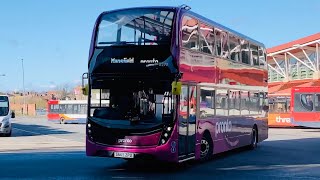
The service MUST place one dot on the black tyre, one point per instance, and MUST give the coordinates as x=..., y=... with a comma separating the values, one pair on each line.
x=62, y=121
x=254, y=138
x=8, y=134
x=206, y=148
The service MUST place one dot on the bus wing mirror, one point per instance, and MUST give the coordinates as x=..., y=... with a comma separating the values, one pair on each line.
x=13, y=115
x=176, y=88
x=85, y=90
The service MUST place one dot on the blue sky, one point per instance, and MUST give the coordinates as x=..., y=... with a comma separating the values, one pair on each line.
x=53, y=36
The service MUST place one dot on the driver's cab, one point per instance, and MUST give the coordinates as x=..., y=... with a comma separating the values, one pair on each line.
x=5, y=116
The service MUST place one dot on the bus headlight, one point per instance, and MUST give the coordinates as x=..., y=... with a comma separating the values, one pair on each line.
x=163, y=141
x=166, y=133
x=89, y=131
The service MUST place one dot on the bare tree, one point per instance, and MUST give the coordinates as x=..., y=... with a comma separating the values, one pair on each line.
x=64, y=91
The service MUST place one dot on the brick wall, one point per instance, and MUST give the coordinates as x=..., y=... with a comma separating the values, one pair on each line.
x=29, y=109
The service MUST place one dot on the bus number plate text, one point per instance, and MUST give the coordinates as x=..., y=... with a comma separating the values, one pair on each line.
x=123, y=154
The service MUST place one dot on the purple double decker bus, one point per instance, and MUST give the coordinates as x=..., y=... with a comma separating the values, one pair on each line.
x=173, y=86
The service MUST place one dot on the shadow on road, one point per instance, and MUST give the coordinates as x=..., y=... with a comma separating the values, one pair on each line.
x=293, y=156
x=35, y=130
x=279, y=159
x=154, y=167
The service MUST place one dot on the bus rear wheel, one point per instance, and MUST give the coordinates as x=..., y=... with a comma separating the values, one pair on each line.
x=254, y=138
x=206, y=148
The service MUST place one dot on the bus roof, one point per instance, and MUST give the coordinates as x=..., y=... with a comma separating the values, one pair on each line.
x=204, y=19
x=215, y=24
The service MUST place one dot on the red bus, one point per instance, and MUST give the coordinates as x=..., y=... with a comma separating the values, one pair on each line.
x=279, y=111
x=68, y=111
x=305, y=106
x=138, y=59
x=301, y=108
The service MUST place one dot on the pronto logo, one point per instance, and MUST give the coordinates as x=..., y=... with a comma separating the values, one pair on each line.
x=282, y=120
x=144, y=61
x=124, y=140
x=223, y=127
x=124, y=60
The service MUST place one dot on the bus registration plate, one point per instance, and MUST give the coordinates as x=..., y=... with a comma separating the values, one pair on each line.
x=123, y=154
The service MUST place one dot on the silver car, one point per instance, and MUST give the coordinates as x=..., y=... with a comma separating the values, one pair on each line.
x=5, y=116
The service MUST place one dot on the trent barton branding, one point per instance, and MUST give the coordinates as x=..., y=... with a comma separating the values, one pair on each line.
x=283, y=120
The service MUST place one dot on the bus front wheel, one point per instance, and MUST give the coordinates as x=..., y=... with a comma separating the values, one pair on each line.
x=206, y=149
x=62, y=121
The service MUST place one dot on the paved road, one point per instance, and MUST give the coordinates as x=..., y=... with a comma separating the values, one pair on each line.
x=287, y=154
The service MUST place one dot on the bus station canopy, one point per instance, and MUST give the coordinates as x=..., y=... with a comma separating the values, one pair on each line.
x=284, y=88
x=294, y=46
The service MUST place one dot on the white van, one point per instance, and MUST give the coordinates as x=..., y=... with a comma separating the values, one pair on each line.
x=5, y=116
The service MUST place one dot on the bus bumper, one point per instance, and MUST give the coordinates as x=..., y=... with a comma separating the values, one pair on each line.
x=167, y=152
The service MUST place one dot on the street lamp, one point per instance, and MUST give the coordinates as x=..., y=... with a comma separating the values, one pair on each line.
x=24, y=99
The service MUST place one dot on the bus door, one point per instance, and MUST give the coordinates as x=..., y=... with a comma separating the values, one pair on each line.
x=187, y=121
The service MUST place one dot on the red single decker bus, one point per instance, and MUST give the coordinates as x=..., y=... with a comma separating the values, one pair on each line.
x=305, y=106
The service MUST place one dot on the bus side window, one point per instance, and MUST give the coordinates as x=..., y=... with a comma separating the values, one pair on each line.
x=262, y=58
x=207, y=102
x=234, y=103
x=190, y=33
x=245, y=102
x=317, y=102
x=206, y=38
x=234, y=48
x=303, y=102
x=245, y=55
x=254, y=54
x=218, y=42
x=222, y=107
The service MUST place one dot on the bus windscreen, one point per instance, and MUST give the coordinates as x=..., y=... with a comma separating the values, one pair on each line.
x=135, y=27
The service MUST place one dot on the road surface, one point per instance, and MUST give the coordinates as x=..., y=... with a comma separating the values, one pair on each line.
x=42, y=150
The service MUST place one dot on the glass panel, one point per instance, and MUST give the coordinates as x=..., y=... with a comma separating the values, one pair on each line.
x=218, y=41
x=4, y=106
x=234, y=48
x=207, y=104
x=245, y=102
x=206, y=38
x=222, y=108
x=69, y=109
x=262, y=58
x=234, y=103
x=317, y=102
x=303, y=102
x=136, y=26
x=193, y=103
x=280, y=104
x=245, y=55
x=190, y=33
x=135, y=103
x=184, y=101
x=254, y=103
x=224, y=45
x=254, y=55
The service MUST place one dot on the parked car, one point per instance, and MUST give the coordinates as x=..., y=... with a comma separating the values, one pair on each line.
x=5, y=116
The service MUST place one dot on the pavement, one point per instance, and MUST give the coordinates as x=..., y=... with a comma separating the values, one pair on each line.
x=43, y=150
